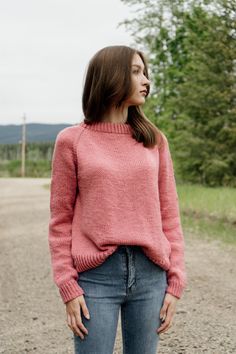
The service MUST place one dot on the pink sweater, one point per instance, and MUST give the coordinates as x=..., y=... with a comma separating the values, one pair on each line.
x=109, y=190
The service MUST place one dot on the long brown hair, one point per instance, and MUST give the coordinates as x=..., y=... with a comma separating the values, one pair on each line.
x=108, y=83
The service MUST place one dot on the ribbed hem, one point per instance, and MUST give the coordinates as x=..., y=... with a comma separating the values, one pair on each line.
x=84, y=262
x=175, y=289
x=109, y=127
x=70, y=290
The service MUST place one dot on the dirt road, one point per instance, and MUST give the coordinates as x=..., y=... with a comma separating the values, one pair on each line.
x=32, y=315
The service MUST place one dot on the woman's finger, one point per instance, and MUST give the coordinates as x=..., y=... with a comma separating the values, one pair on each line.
x=166, y=328
x=80, y=324
x=164, y=309
x=69, y=320
x=76, y=329
x=167, y=321
x=84, y=308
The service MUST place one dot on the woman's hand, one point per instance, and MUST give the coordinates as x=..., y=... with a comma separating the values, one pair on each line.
x=74, y=321
x=167, y=312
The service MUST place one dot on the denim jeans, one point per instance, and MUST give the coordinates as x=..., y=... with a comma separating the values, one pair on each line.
x=127, y=281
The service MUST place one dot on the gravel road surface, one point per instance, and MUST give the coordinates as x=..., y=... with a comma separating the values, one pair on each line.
x=32, y=314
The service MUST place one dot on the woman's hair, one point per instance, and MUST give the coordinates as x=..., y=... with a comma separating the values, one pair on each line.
x=108, y=83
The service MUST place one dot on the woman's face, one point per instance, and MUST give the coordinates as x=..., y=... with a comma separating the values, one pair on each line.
x=139, y=82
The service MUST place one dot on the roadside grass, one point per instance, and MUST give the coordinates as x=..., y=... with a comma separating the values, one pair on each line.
x=38, y=168
x=207, y=212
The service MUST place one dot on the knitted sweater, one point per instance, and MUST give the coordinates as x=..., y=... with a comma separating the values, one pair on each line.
x=107, y=190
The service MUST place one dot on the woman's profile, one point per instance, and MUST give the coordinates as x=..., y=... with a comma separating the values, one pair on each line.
x=115, y=234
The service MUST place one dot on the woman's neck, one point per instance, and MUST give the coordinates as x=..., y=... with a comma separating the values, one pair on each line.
x=118, y=115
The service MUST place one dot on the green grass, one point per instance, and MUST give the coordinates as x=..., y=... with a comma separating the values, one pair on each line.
x=215, y=203
x=208, y=212
x=209, y=230
x=12, y=168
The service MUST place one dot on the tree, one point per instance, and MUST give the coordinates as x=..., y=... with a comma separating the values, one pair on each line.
x=191, y=50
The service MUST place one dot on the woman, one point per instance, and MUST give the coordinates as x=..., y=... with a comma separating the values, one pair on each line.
x=115, y=233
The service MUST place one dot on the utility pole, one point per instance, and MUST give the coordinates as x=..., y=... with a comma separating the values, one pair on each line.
x=23, y=144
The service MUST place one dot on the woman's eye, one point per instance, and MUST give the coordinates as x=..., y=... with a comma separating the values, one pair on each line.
x=137, y=71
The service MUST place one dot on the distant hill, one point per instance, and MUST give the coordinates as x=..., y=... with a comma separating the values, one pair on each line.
x=35, y=132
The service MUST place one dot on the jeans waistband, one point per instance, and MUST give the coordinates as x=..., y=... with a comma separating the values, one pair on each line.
x=128, y=248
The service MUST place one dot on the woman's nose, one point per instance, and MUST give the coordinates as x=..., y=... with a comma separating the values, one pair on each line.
x=146, y=81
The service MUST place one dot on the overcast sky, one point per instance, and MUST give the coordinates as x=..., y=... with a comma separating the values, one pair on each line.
x=45, y=48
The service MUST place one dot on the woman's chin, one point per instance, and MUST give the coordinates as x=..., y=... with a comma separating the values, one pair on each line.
x=139, y=102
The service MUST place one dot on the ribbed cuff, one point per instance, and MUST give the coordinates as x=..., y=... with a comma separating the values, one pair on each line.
x=175, y=289
x=70, y=290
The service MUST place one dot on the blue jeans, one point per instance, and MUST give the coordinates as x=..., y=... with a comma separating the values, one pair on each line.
x=128, y=281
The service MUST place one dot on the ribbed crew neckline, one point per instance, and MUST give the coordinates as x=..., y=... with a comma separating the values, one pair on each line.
x=109, y=127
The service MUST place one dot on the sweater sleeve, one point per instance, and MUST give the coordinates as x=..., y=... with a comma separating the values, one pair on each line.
x=62, y=199
x=171, y=222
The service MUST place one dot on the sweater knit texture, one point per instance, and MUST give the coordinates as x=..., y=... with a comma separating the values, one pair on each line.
x=107, y=190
